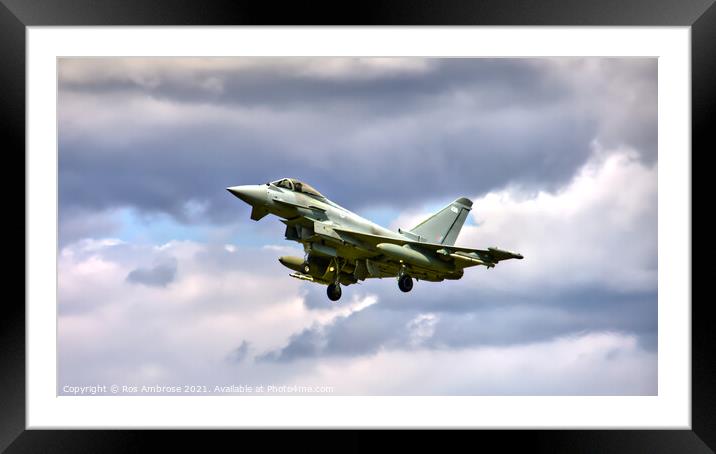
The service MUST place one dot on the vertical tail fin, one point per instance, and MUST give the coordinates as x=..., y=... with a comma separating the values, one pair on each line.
x=444, y=226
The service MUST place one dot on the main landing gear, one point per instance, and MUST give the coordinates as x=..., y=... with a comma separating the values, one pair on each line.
x=334, y=291
x=405, y=283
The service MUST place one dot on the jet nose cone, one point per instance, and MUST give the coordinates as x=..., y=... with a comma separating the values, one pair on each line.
x=249, y=194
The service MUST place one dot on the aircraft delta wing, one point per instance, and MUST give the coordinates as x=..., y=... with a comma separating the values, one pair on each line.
x=343, y=248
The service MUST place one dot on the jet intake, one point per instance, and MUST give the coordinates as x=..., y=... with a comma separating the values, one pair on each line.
x=323, y=249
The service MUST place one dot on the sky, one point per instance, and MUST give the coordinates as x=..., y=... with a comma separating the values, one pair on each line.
x=163, y=280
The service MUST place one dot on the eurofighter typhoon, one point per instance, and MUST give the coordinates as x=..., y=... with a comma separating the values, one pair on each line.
x=342, y=248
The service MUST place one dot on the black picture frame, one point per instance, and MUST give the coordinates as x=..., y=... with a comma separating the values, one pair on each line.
x=16, y=15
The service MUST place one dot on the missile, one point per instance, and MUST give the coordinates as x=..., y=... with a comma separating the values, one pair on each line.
x=502, y=254
x=306, y=277
x=412, y=256
x=303, y=277
x=471, y=260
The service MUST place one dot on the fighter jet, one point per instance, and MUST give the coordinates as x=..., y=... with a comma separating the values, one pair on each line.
x=342, y=248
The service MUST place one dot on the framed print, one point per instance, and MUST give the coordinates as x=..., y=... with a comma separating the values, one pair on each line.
x=233, y=222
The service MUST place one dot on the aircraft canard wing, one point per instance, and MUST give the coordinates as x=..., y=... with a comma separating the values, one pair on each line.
x=465, y=256
x=258, y=213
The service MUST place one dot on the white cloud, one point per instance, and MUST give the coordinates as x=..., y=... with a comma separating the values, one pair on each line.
x=421, y=328
x=590, y=364
x=218, y=300
x=599, y=230
x=186, y=333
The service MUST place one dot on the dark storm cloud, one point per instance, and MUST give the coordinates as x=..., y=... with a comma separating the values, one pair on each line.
x=476, y=321
x=458, y=126
x=424, y=169
x=362, y=332
x=497, y=83
x=159, y=275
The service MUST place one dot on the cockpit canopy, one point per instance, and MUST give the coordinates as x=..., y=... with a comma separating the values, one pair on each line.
x=293, y=184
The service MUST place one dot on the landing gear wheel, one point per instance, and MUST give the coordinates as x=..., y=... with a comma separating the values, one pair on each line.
x=405, y=283
x=334, y=292
x=306, y=268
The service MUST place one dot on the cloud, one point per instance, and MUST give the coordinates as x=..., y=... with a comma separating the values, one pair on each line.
x=599, y=230
x=157, y=276
x=221, y=305
x=239, y=353
x=147, y=133
x=76, y=224
x=152, y=73
x=228, y=312
x=421, y=328
x=559, y=156
x=142, y=335
x=480, y=321
x=590, y=364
